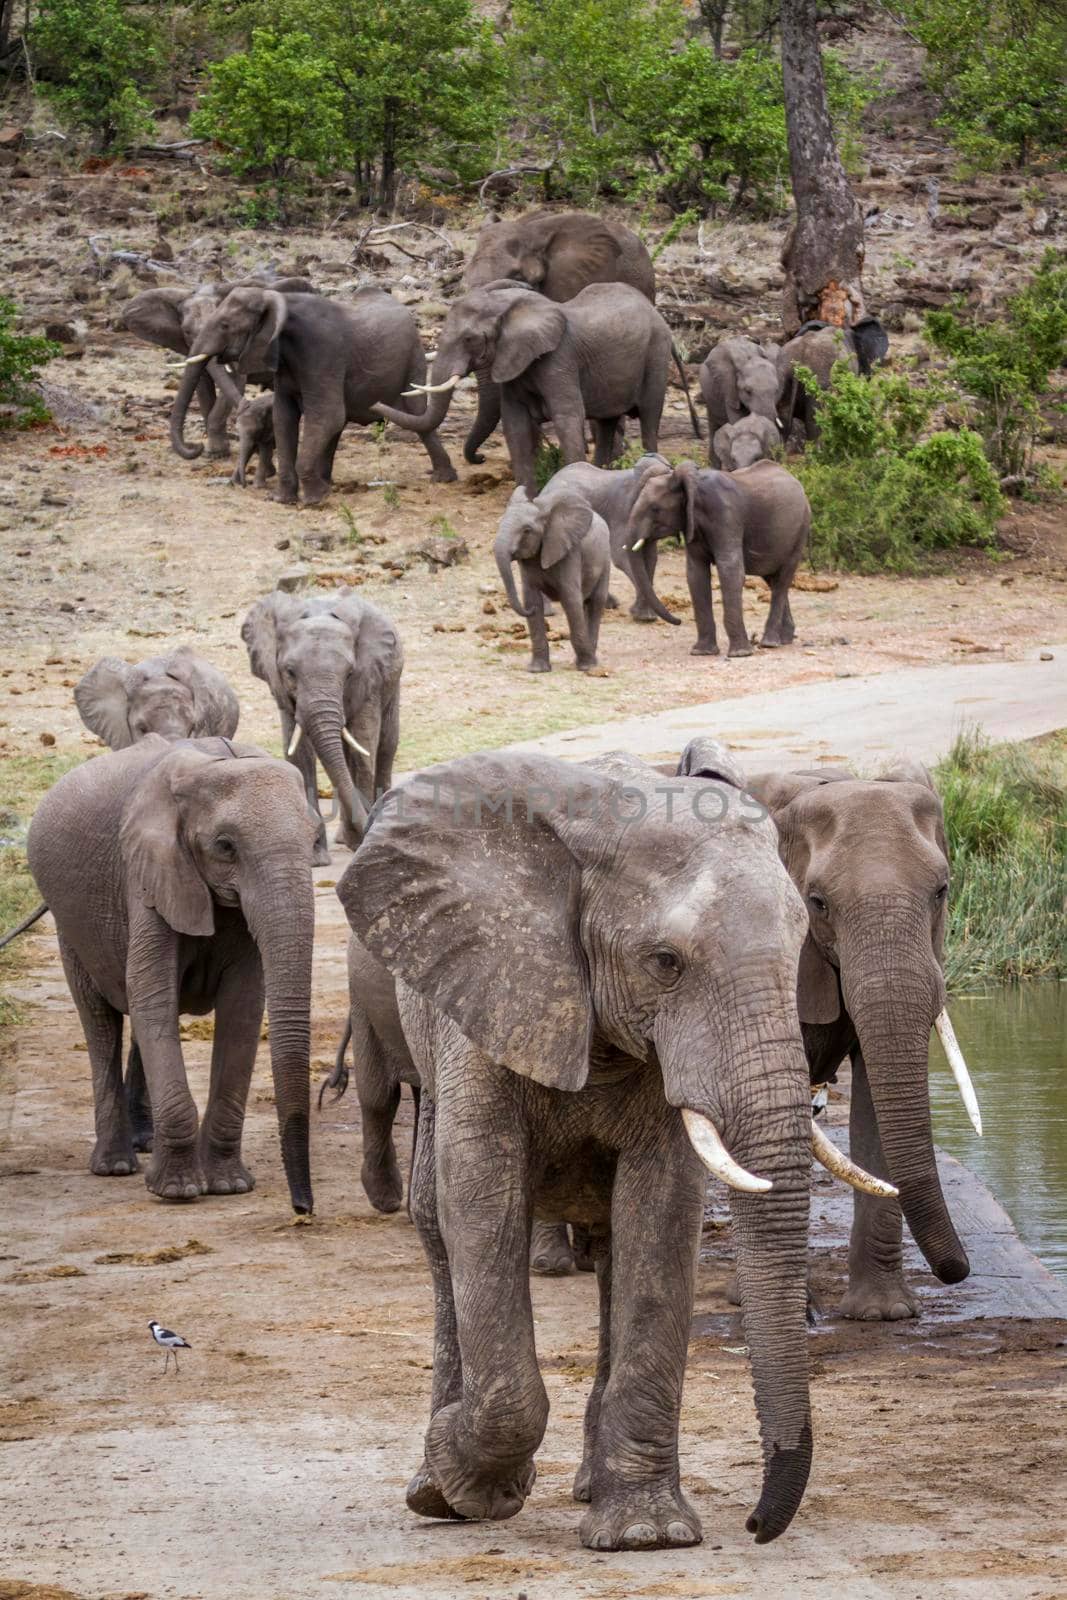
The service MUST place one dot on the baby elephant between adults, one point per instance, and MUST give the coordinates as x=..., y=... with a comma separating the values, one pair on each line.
x=564, y=553
x=255, y=437
x=179, y=876
x=743, y=443
x=757, y=520
x=179, y=695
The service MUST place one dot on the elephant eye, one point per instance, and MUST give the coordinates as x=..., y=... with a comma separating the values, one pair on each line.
x=941, y=894
x=225, y=847
x=667, y=964
x=817, y=901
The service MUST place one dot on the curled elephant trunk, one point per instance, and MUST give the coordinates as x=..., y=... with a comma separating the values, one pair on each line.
x=893, y=1008
x=191, y=377
x=507, y=576
x=438, y=399
x=487, y=419
x=639, y=554
x=284, y=935
x=324, y=726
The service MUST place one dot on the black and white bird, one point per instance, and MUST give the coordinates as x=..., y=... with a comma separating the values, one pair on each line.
x=171, y=1342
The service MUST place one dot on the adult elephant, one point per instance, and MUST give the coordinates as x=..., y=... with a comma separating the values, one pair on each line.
x=179, y=877
x=333, y=665
x=599, y=992
x=179, y=695
x=611, y=494
x=331, y=362
x=174, y=318
x=818, y=346
x=603, y=355
x=869, y=859
x=559, y=254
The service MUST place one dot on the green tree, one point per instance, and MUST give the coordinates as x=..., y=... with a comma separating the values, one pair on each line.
x=95, y=59
x=21, y=357
x=272, y=106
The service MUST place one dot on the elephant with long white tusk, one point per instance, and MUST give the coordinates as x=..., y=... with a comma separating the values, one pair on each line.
x=950, y=1044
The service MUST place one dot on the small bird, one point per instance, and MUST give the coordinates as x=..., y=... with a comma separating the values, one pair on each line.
x=171, y=1342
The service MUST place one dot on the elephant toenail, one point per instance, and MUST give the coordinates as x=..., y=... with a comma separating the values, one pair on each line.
x=602, y=1541
x=639, y=1534
x=680, y=1533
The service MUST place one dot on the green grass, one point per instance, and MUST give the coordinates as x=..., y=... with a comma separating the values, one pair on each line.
x=1006, y=823
x=23, y=780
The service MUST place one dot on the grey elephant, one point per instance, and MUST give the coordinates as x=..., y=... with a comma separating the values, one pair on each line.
x=255, y=437
x=818, y=346
x=739, y=378
x=179, y=695
x=564, y=553
x=743, y=443
x=754, y=521
x=179, y=877
x=174, y=317
x=603, y=355
x=331, y=363
x=597, y=983
x=870, y=860
x=559, y=254
x=612, y=493
x=333, y=664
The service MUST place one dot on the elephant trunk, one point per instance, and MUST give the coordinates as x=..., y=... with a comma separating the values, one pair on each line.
x=487, y=419
x=447, y=372
x=503, y=566
x=893, y=1002
x=322, y=719
x=191, y=377
x=642, y=579
x=284, y=935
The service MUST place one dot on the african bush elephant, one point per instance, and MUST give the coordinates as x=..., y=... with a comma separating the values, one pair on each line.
x=255, y=437
x=564, y=553
x=179, y=695
x=603, y=355
x=179, y=876
x=331, y=364
x=174, y=318
x=333, y=664
x=818, y=345
x=743, y=443
x=869, y=858
x=757, y=520
x=738, y=379
x=591, y=974
x=559, y=254
x=612, y=493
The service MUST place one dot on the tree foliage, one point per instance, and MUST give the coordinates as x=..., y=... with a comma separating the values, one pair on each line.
x=96, y=60
x=21, y=358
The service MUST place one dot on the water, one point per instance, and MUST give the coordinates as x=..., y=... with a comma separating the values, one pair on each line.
x=1015, y=1043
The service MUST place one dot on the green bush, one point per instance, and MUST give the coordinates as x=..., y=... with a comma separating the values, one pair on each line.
x=1006, y=826
x=95, y=60
x=1003, y=366
x=880, y=495
x=21, y=357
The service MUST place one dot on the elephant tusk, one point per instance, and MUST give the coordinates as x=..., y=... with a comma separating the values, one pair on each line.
x=348, y=739
x=836, y=1161
x=950, y=1044
x=190, y=361
x=638, y=546
x=298, y=734
x=706, y=1141
x=433, y=388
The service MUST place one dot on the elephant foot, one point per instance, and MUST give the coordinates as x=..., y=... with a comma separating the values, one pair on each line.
x=741, y=650
x=444, y=475
x=218, y=450
x=582, y=1242
x=634, y=1518
x=550, y=1250
x=348, y=837
x=320, y=856
x=879, y=1300
x=225, y=1173
x=425, y=1498
x=475, y=1493
x=585, y=666
x=770, y=642
x=642, y=614
x=382, y=1185
x=285, y=497
x=113, y=1159
x=175, y=1175
x=539, y=666
x=704, y=650
x=611, y=603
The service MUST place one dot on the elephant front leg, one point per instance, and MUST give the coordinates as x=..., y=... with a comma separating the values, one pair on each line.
x=698, y=577
x=287, y=441
x=876, y=1291
x=238, y=1019
x=636, y=1502
x=583, y=1481
x=175, y=1172
x=731, y=569
x=480, y=1448
x=534, y=601
x=574, y=609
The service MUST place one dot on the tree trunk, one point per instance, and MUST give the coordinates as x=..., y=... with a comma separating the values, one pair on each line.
x=823, y=251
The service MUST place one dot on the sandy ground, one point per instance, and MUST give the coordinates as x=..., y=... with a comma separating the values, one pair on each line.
x=274, y=1466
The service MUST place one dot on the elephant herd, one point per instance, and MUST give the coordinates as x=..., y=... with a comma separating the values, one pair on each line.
x=601, y=981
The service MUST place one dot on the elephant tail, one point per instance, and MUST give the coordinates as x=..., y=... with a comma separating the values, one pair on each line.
x=338, y=1079
x=27, y=922
x=693, y=418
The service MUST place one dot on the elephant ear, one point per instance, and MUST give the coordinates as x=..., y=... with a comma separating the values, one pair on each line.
x=156, y=317
x=707, y=758
x=567, y=523
x=465, y=887
x=580, y=250
x=687, y=476
x=215, y=707
x=267, y=313
x=529, y=328
x=160, y=869
x=375, y=640
x=261, y=631
x=103, y=702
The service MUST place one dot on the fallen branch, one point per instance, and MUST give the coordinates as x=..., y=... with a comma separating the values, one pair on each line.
x=542, y=168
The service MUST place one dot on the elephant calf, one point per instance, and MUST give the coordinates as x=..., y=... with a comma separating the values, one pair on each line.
x=743, y=443
x=179, y=876
x=564, y=553
x=757, y=520
x=255, y=437
x=179, y=695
